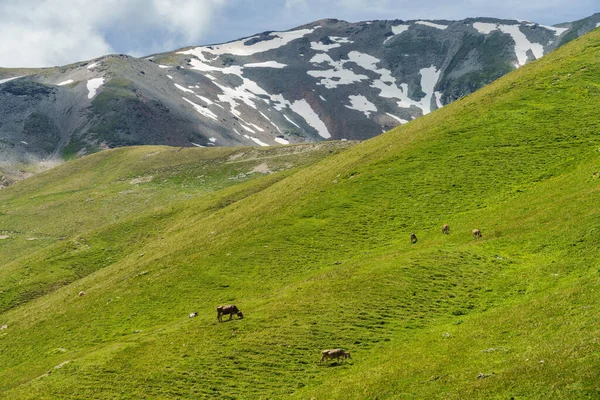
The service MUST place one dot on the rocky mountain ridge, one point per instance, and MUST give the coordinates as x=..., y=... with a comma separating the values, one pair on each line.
x=326, y=80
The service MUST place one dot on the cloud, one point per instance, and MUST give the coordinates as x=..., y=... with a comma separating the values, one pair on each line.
x=38, y=33
x=57, y=32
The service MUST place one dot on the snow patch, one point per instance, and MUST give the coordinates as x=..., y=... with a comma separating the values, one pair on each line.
x=397, y=30
x=485, y=28
x=271, y=122
x=92, y=66
x=240, y=48
x=557, y=31
x=204, y=99
x=429, y=78
x=386, y=83
x=257, y=141
x=337, y=42
x=438, y=99
x=281, y=140
x=522, y=44
x=302, y=108
x=318, y=46
x=183, y=89
x=170, y=77
x=246, y=128
x=332, y=78
x=402, y=121
x=67, y=82
x=370, y=63
x=400, y=29
x=196, y=144
x=202, y=110
x=291, y=122
x=258, y=128
x=342, y=40
x=212, y=139
x=266, y=64
x=10, y=79
x=431, y=24
x=164, y=66
x=362, y=104
x=93, y=85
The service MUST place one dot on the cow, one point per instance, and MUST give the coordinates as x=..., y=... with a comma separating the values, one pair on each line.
x=413, y=238
x=230, y=309
x=82, y=293
x=446, y=229
x=335, y=353
x=194, y=314
x=476, y=233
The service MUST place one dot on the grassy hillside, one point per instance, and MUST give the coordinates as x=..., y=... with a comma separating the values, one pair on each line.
x=317, y=256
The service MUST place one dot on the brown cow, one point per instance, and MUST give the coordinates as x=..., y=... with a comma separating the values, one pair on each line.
x=335, y=353
x=413, y=238
x=476, y=233
x=230, y=309
x=82, y=293
x=446, y=229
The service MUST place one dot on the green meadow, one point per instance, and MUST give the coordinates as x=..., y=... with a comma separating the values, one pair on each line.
x=312, y=243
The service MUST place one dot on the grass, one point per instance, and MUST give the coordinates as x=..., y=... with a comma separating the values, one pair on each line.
x=317, y=256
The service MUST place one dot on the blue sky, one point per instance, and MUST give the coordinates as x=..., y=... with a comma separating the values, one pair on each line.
x=57, y=32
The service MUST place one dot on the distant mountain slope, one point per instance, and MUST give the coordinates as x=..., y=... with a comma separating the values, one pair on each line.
x=327, y=80
x=317, y=255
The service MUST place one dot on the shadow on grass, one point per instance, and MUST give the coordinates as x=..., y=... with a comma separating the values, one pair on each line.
x=334, y=364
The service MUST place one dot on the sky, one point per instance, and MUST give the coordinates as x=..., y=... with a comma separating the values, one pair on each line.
x=39, y=33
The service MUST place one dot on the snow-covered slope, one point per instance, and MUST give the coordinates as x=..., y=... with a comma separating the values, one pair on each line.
x=327, y=80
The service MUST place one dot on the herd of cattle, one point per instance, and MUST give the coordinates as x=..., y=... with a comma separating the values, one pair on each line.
x=337, y=354
x=331, y=354
x=446, y=230
x=231, y=310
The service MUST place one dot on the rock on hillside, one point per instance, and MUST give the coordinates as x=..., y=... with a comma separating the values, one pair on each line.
x=326, y=80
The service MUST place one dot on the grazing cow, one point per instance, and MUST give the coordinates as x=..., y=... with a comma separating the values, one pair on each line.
x=335, y=353
x=446, y=229
x=194, y=314
x=476, y=233
x=230, y=309
x=413, y=238
x=82, y=293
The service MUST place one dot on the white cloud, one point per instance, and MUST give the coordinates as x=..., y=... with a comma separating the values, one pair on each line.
x=56, y=32
x=37, y=33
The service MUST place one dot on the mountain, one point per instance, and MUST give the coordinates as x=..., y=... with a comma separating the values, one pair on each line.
x=326, y=80
x=311, y=242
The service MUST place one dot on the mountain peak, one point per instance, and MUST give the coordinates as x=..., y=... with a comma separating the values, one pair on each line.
x=329, y=79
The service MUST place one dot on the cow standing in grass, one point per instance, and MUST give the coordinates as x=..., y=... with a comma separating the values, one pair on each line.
x=477, y=233
x=230, y=309
x=335, y=353
x=446, y=229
